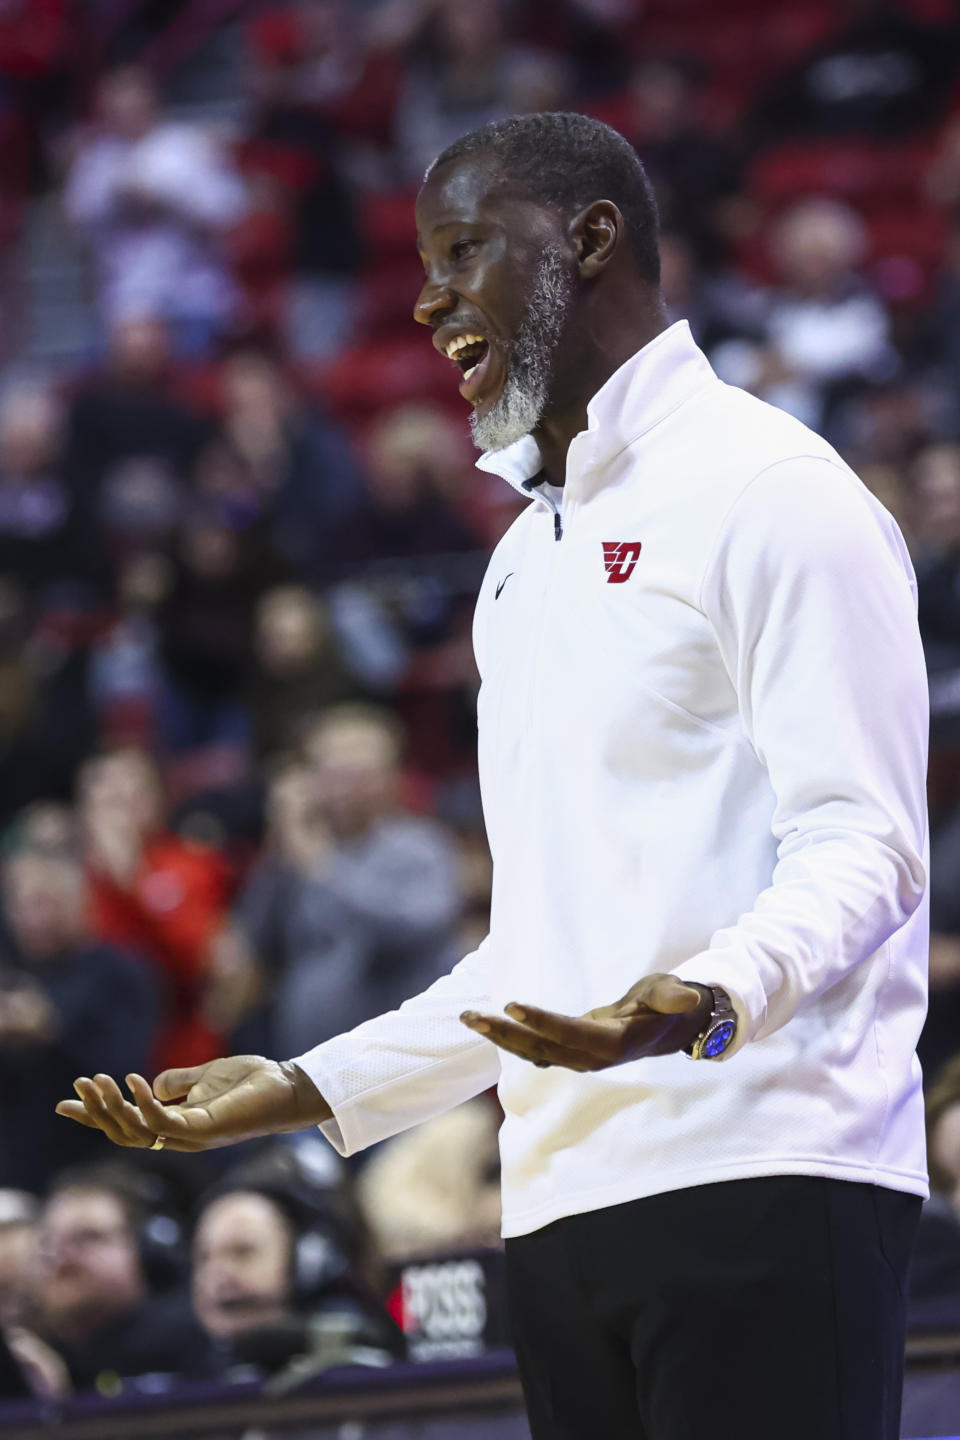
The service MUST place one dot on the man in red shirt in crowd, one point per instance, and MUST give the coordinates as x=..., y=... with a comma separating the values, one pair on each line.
x=164, y=897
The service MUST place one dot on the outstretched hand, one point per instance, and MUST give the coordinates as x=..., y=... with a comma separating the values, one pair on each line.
x=236, y=1098
x=657, y=1016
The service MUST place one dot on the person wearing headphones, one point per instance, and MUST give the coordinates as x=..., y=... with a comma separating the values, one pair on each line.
x=279, y=1272
x=110, y=1296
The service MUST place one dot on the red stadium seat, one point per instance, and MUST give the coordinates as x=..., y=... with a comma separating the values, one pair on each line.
x=870, y=176
x=754, y=38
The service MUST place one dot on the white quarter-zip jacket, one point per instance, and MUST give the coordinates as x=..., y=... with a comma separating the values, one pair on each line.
x=702, y=743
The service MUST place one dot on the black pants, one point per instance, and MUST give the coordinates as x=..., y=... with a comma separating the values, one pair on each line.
x=743, y=1310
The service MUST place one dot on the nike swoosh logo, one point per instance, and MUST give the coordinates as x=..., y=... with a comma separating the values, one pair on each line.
x=502, y=583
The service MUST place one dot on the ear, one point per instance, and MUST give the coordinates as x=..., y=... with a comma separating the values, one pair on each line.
x=596, y=233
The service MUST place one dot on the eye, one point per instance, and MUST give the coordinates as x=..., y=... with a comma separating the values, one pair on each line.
x=461, y=248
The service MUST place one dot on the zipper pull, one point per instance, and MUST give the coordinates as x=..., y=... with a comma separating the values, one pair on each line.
x=557, y=527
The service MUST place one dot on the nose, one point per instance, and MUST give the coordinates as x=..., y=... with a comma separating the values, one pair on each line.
x=434, y=300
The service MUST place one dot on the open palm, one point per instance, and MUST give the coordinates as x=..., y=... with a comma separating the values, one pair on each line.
x=236, y=1098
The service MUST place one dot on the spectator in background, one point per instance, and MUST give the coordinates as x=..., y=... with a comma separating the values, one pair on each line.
x=475, y=868
x=166, y=898
x=298, y=667
x=292, y=464
x=414, y=497
x=221, y=564
x=55, y=1022
x=48, y=541
x=719, y=305
x=437, y=1187
x=827, y=335
x=324, y=103
x=322, y=61
x=19, y=1212
x=96, y=1302
x=355, y=902
x=935, y=1269
x=935, y=481
x=28, y=1366
x=943, y=1134
x=130, y=412
x=935, y=514
x=279, y=1271
x=153, y=200
x=242, y=1265
x=46, y=723
x=463, y=72
x=125, y=682
x=944, y=314
x=883, y=73
x=409, y=559
x=696, y=175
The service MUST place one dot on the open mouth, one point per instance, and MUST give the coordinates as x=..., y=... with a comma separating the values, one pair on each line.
x=472, y=353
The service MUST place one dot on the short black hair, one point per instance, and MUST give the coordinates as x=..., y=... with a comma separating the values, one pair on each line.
x=570, y=160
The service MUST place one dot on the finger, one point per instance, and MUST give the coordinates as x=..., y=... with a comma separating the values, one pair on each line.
x=173, y=1084
x=125, y=1115
x=527, y=1044
x=120, y=1135
x=97, y=1110
x=670, y=996
x=168, y=1121
x=75, y=1110
x=593, y=1037
x=160, y=1119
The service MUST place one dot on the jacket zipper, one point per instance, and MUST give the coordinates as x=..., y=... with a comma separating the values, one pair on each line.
x=557, y=522
x=534, y=484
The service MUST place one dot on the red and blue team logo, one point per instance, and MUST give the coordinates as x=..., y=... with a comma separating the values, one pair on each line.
x=619, y=558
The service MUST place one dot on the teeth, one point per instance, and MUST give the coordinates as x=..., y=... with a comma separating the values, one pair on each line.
x=468, y=373
x=459, y=341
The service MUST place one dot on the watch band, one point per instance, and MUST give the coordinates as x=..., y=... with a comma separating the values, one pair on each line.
x=718, y=1033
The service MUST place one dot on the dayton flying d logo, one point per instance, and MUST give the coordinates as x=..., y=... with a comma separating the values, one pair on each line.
x=619, y=558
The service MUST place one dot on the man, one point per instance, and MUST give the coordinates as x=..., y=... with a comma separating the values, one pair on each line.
x=28, y=1366
x=161, y=895
x=702, y=751
x=268, y=1285
x=95, y=1300
x=154, y=199
x=353, y=908
x=53, y=980
x=241, y=1264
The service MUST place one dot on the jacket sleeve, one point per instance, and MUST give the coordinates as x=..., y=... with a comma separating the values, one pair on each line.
x=408, y=1064
x=811, y=595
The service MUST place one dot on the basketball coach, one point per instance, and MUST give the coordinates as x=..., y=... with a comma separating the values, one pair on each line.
x=702, y=741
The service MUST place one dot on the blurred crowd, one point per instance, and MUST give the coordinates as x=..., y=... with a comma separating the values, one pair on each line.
x=240, y=540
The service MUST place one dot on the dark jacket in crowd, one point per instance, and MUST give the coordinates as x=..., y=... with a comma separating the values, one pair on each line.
x=106, y=1006
x=160, y=1337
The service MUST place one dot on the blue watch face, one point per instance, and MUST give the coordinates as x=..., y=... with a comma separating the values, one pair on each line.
x=719, y=1039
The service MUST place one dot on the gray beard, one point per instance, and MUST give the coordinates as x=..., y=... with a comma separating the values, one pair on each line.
x=530, y=363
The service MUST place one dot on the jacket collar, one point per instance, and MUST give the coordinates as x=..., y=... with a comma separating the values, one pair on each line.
x=646, y=388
